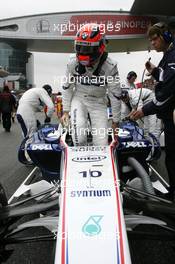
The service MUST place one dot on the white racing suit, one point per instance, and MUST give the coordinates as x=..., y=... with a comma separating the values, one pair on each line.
x=84, y=92
x=124, y=109
x=31, y=102
x=151, y=123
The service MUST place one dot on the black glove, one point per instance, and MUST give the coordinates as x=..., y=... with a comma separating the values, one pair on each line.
x=38, y=124
x=47, y=120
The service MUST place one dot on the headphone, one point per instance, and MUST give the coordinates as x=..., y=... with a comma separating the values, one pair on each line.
x=166, y=34
x=131, y=74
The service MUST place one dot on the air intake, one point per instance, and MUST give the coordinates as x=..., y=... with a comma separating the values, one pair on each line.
x=13, y=27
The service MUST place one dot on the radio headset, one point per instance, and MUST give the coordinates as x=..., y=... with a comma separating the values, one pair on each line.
x=166, y=34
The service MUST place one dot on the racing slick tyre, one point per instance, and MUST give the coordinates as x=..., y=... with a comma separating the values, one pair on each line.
x=3, y=198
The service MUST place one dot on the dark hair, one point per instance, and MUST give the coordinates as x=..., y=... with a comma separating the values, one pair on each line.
x=48, y=88
x=161, y=29
x=6, y=89
x=131, y=74
x=124, y=94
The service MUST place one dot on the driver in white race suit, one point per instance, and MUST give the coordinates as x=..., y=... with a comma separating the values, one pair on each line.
x=32, y=101
x=90, y=75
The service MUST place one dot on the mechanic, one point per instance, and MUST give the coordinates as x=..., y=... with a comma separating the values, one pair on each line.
x=31, y=102
x=129, y=84
x=136, y=98
x=90, y=74
x=130, y=79
x=164, y=103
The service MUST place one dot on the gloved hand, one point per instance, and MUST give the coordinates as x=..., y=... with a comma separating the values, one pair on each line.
x=115, y=127
x=149, y=66
x=65, y=119
x=136, y=114
x=38, y=124
x=174, y=116
x=47, y=120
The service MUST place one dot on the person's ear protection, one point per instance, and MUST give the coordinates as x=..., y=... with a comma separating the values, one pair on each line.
x=166, y=34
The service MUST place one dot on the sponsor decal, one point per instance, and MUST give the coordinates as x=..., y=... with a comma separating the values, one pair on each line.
x=41, y=147
x=90, y=173
x=92, y=226
x=75, y=126
x=90, y=193
x=112, y=24
x=84, y=35
x=135, y=144
x=90, y=158
x=43, y=26
x=89, y=148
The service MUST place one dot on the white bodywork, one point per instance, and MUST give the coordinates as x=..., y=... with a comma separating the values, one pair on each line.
x=91, y=224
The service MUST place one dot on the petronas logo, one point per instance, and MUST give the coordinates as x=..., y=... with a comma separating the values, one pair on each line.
x=92, y=226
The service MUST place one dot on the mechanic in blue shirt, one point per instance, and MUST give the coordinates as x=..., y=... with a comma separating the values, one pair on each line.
x=164, y=103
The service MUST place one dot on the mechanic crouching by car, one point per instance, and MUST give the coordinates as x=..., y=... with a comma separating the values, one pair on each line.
x=129, y=84
x=136, y=98
x=164, y=103
x=33, y=101
x=90, y=73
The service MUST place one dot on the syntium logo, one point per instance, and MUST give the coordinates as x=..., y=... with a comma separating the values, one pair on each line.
x=90, y=158
x=90, y=193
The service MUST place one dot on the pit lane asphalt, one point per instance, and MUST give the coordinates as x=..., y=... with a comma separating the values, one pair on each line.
x=12, y=174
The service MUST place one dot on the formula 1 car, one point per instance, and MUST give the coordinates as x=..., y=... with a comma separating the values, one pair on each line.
x=93, y=192
x=45, y=148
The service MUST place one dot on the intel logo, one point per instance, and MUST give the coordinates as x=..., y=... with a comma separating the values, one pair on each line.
x=92, y=158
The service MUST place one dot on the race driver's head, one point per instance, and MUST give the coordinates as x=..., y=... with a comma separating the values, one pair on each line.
x=90, y=44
